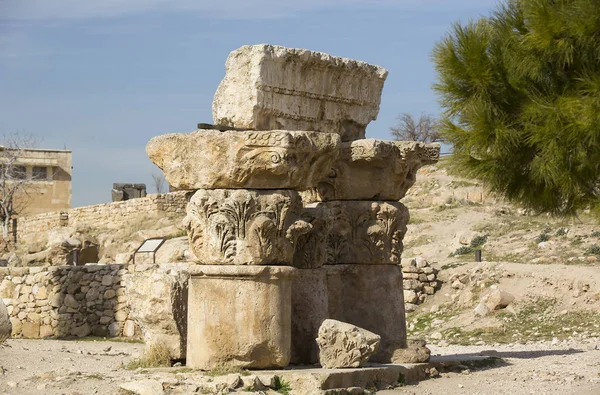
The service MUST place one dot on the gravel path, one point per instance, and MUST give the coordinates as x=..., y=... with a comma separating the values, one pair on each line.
x=541, y=368
x=94, y=367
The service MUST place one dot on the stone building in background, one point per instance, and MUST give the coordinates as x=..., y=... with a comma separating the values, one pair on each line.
x=48, y=172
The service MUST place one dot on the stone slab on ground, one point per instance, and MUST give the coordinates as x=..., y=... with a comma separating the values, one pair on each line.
x=304, y=380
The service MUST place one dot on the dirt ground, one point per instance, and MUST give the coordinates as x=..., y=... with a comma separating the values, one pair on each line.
x=64, y=367
x=542, y=368
x=95, y=367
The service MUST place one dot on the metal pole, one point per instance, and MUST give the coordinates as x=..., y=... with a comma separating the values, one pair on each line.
x=14, y=229
x=477, y=255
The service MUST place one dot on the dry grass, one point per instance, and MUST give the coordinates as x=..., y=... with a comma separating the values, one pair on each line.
x=3, y=339
x=155, y=356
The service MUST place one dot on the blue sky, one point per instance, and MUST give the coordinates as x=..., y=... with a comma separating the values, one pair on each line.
x=103, y=77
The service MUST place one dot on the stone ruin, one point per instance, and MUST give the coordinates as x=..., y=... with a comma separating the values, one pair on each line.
x=121, y=191
x=295, y=218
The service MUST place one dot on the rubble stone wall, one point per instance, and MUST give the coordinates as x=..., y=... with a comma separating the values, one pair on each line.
x=420, y=280
x=111, y=214
x=59, y=301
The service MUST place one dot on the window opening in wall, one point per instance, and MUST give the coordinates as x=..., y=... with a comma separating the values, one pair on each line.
x=19, y=172
x=39, y=173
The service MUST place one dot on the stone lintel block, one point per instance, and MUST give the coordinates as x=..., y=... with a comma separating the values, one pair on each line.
x=370, y=169
x=244, y=159
x=273, y=87
x=365, y=232
x=370, y=297
x=244, y=227
x=239, y=316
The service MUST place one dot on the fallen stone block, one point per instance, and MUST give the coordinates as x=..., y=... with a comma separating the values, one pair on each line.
x=497, y=299
x=343, y=345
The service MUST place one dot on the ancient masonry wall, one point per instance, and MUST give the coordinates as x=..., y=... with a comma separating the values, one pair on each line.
x=154, y=205
x=420, y=280
x=59, y=301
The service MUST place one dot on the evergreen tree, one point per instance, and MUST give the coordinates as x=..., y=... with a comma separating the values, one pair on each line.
x=521, y=94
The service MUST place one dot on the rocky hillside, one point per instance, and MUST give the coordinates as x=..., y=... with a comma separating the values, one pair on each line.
x=539, y=279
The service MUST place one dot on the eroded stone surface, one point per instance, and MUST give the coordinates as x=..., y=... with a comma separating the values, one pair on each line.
x=239, y=316
x=244, y=159
x=417, y=155
x=244, y=227
x=272, y=87
x=311, y=247
x=365, y=232
x=310, y=307
x=5, y=324
x=416, y=352
x=370, y=169
x=343, y=345
x=158, y=303
x=370, y=297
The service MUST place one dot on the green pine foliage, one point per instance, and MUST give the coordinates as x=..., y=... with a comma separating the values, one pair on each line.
x=521, y=93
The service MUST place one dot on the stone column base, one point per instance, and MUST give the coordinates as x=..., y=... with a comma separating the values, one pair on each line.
x=239, y=316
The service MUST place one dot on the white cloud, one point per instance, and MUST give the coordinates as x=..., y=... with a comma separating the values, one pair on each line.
x=225, y=9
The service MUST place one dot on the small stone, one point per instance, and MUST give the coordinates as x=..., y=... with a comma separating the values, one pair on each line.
x=497, y=299
x=433, y=372
x=481, y=310
x=436, y=336
x=129, y=328
x=144, y=387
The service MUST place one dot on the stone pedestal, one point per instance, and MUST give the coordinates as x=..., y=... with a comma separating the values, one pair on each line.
x=239, y=316
x=370, y=297
x=310, y=307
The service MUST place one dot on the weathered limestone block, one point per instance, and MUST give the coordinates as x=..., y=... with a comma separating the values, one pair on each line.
x=310, y=307
x=239, y=316
x=370, y=297
x=244, y=159
x=416, y=352
x=417, y=155
x=244, y=227
x=272, y=87
x=366, y=232
x=372, y=169
x=5, y=324
x=158, y=303
x=343, y=345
